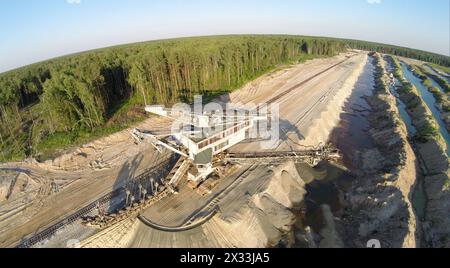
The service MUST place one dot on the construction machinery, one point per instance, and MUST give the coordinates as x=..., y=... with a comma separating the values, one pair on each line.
x=198, y=139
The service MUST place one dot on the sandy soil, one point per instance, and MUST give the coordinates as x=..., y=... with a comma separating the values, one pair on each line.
x=76, y=179
x=312, y=110
x=256, y=218
x=258, y=209
x=81, y=177
x=379, y=204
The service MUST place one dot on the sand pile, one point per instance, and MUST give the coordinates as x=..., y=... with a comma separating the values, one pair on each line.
x=14, y=186
x=329, y=118
x=267, y=86
x=95, y=168
x=6, y=179
x=437, y=225
x=256, y=214
x=105, y=153
x=117, y=236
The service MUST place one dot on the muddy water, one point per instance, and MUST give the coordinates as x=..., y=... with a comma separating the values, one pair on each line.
x=430, y=101
x=327, y=182
x=324, y=184
x=401, y=105
x=419, y=198
x=446, y=78
x=351, y=136
x=402, y=108
x=434, y=83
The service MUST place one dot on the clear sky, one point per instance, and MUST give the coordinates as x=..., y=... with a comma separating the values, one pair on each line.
x=34, y=30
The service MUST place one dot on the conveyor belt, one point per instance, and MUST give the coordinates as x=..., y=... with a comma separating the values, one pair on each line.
x=307, y=156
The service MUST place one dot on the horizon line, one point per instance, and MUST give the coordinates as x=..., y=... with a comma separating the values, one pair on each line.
x=204, y=36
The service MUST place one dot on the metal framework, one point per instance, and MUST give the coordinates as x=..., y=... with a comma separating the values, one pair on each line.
x=199, y=138
x=311, y=156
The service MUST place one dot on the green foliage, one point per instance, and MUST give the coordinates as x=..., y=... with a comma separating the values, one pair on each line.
x=58, y=103
x=393, y=61
x=429, y=131
x=428, y=83
x=443, y=69
x=446, y=107
x=438, y=95
x=54, y=104
x=441, y=98
x=407, y=87
x=400, y=51
x=440, y=81
x=417, y=72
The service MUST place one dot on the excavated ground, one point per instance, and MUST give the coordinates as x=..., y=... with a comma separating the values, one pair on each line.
x=308, y=115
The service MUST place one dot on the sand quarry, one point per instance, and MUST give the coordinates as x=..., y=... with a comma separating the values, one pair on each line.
x=255, y=201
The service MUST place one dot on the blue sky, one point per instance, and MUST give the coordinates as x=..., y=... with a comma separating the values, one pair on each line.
x=34, y=30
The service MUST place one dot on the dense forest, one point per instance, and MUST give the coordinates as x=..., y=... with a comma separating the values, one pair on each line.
x=53, y=104
x=400, y=51
x=50, y=105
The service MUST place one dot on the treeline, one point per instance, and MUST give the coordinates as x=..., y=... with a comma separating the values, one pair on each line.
x=400, y=51
x=54, y=103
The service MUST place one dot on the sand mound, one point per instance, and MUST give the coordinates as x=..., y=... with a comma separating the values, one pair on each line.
x=329, y=118
x=114, y=237
x=255, y=214
x=105, y=153
x=6, y=179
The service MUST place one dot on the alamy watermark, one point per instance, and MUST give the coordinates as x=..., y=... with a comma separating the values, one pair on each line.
x=264, y=117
